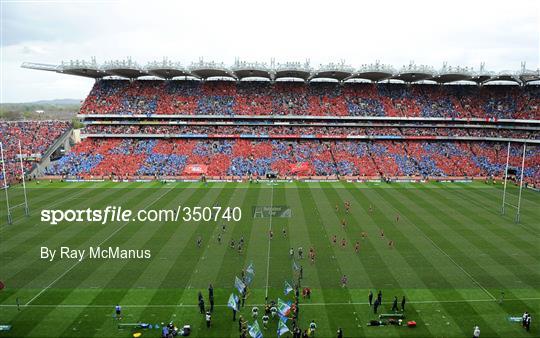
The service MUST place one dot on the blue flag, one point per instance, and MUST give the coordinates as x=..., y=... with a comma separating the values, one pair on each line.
x=250, y=274
x=283, y=308
x=255, y=330
x=282, y=328
x=238, y=284
x=295, y=266
x=282, y=318
x=233, y=302
x=250, y=270
x=288, y=288
x=249, y=279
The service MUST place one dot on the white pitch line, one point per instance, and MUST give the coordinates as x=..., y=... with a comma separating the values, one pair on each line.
x=269, y=240
x=223, y=305
x=459, y=266
x=78, y=262
x=448, y=256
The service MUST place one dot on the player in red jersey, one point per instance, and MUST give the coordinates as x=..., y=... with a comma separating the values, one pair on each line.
x=312, y=254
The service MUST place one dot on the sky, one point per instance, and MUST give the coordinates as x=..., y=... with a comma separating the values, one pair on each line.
x=500, y=33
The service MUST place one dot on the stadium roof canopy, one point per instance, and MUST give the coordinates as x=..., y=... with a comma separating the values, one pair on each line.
x=167, y=69
x=293, y=70
x=453, y=74
x=414, y=73
x=205, y=70
x=241, y=70
x=334, y=71
x=373, y=72
x=125, y=68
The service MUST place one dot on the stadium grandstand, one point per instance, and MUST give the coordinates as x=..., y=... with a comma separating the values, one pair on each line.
x=38, y=140
x=290, y=120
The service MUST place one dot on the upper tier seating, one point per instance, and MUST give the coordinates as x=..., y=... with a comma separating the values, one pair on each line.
x=229, y=98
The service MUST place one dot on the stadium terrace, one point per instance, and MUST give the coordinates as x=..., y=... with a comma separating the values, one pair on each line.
x=401, y=125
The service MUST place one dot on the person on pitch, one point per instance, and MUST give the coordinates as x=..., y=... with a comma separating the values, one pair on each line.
x=476, y=332
x=201, y=305
x=312, y=328
x=376, y=305
x=394, y=305
x=273, y=311
x=265, y=319
x=312, y=254
x=255, y=312
x=118, y=311
x=240, y=247
x=208, y=318
x=344, y=281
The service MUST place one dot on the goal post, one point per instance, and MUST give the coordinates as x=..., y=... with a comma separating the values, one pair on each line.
x=504, y=202
x=26, y=210
x=9, y=207
x=5, y=187
x=505, y=179
x=521, y=182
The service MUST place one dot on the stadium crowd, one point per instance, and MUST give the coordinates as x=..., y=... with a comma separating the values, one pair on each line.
x=149, y=97
x=101, y=129
x=35, y=137
x=239, y=157
x=320, y=152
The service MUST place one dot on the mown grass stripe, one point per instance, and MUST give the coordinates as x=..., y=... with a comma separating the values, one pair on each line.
x=416, y=220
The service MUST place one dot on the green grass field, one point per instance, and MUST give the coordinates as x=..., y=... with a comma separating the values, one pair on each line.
x=454, y=254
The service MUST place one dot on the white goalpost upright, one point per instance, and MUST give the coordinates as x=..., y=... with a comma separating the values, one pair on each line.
x=521, y=182
x=504, y=203
x=5, y=187
x=9, y=208
x=26, y=210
